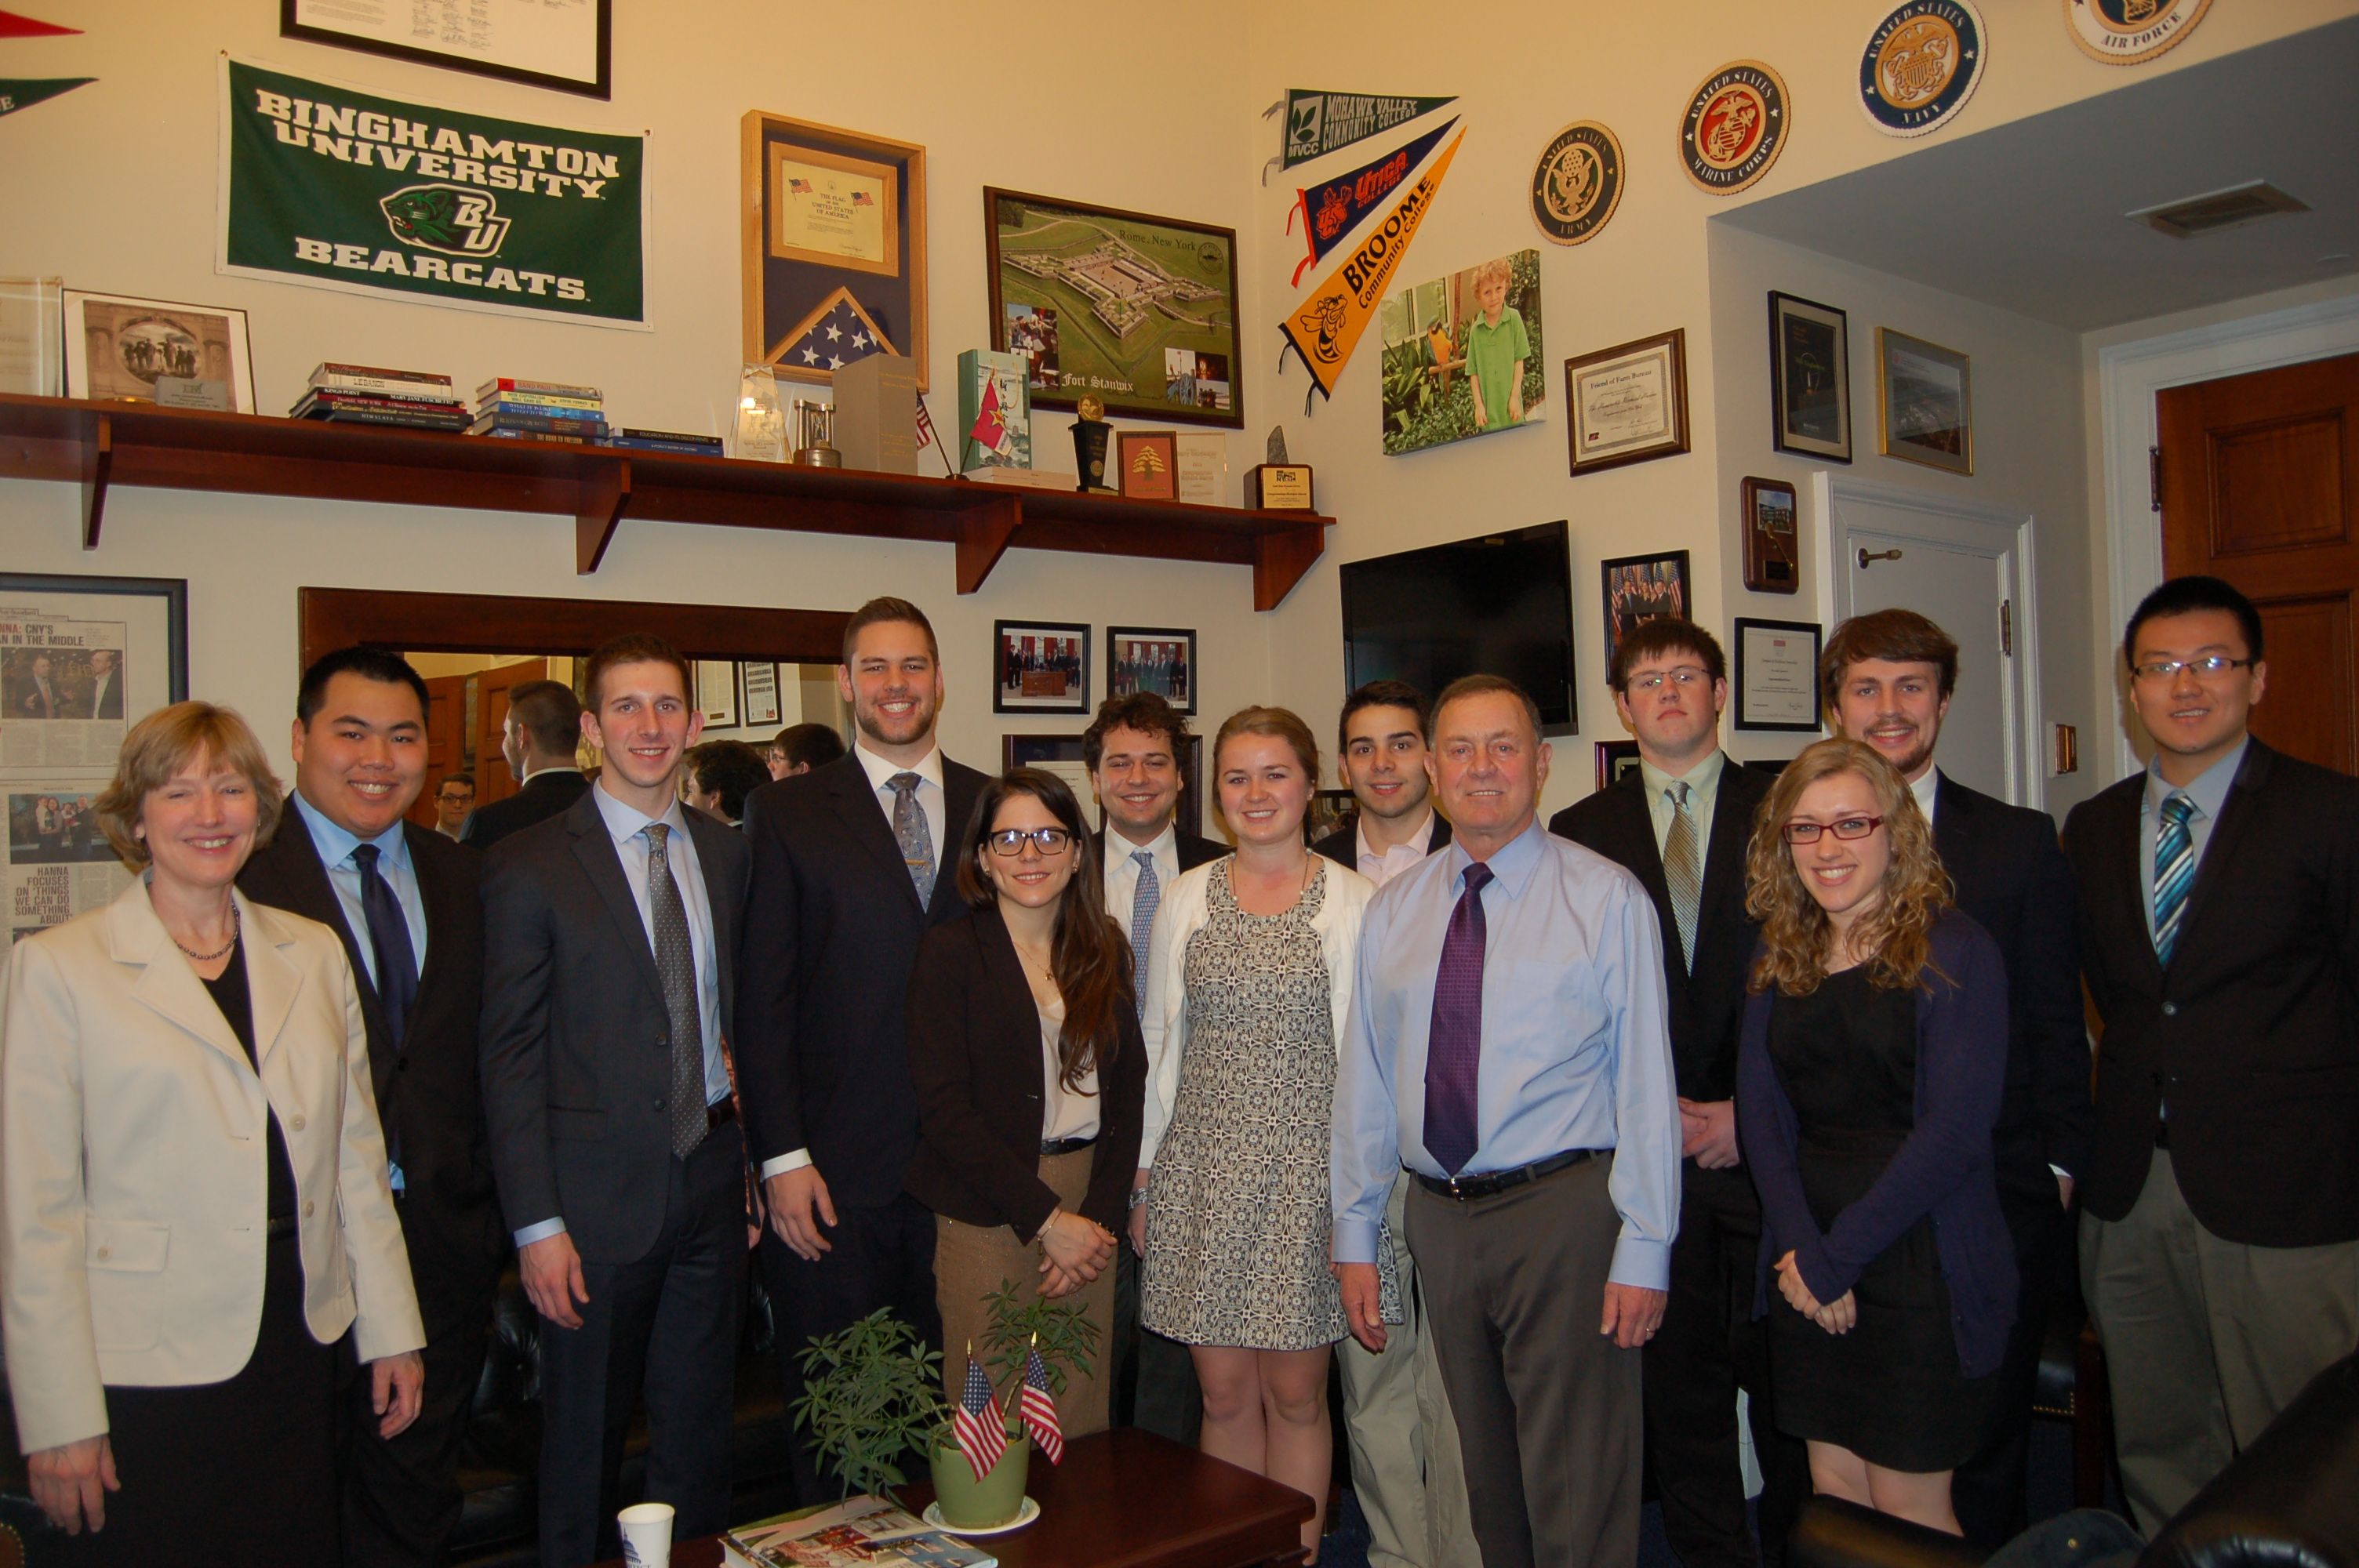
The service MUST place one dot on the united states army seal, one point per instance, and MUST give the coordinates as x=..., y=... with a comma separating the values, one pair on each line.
x=1577, y=182
x=1921, y=64
x=2123, y=32
x=1734, y=128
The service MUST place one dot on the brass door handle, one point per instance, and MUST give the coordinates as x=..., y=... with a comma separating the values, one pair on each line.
x=1864, y=556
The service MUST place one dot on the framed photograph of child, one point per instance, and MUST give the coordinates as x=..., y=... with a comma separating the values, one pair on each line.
x=1463, y=354
x=1639, y=589
x=1039, y=666
x=1924, y=402
x=1628, y=403
x=1810, y=377
x=1158, y=659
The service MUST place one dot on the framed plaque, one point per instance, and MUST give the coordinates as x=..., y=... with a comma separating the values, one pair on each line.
x=1149, y=464
x=1628, y=404
x=1777, y=676
x=1772, y=541
x=1279, y=487
x=834, y=235
x=567, y=45
x=1809, y=378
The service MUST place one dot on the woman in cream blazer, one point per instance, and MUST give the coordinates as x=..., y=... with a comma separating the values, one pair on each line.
x=169, y=1337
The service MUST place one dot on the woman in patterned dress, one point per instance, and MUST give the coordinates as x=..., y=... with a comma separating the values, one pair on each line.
x=1248, y=978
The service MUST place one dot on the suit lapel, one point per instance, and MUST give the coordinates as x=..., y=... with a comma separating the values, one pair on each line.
x=165, y=984
x=315, y=899
x=864, y=818
x=1005, y=969
x=2236, y=815
x=2123, y=843
x=1634, y=820
x=1732, y=839
x=1954, y=834
x=272, y=981
x=594, y=847
x=430, y=894
x=707, y=835
x=961, y=788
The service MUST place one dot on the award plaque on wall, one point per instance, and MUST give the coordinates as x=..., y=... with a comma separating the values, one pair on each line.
x=1810, y=377
x=1776, y=676
x=1149, y=462
x=834, y=242
x=568, y=46
x=1772, y=554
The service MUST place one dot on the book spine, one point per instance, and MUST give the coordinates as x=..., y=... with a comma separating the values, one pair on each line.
x=543, y=400
x=333, y=367
x=540, y=411
x=409, y=391
x=626, y=444
x=534, y=422
x=503, y=383
x=534, y=436
x=377, y=417
x=329, y=398
x=712, y=441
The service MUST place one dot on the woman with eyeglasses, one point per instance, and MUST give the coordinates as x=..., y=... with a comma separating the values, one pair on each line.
x=1869, y=1073
x=1024, y=1045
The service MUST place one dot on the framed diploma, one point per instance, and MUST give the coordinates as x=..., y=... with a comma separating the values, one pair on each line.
x=834, y=211
x=1777, y=676
x=564, y=44
x=1629, y=403
x=833, y=234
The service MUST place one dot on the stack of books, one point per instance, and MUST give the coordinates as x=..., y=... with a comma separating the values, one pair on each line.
x=364, y=394
x=540, y=411
x=666, y=441
x=859, y=1532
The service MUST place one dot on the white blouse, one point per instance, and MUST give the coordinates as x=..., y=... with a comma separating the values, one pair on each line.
x=1064, y=1113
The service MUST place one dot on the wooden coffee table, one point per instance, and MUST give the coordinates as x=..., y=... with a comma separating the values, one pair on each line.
x=1128, y=1498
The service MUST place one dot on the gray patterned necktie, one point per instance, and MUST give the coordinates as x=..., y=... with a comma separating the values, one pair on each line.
x=1682, y=870
x=911, y=832
x=1143, y=902
x=2174, y=873
x=675, y=966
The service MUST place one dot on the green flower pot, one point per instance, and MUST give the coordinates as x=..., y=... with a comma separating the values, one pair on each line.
x=998, y=1498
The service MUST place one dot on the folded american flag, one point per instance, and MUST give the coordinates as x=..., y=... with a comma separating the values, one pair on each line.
x=981, y=1430
x=1038, y=1408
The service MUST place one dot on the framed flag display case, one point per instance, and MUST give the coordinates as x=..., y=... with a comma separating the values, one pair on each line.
x=834, y=241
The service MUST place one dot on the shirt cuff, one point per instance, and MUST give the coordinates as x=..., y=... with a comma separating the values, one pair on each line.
x=1641, y=1263
x=2061, y=1174
x=795, y=1161
x=541, y=1232
x=1355, y=1242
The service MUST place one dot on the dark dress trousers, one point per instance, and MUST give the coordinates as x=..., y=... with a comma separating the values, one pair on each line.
x=1342, y=846
x=832, y=925
x=401, y=1497
x=543, y=796
x=2012, y=879
x=1709, y=1345
x=577, y=1065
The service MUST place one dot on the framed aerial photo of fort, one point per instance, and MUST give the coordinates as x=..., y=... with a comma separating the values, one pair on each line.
x=1139, y=312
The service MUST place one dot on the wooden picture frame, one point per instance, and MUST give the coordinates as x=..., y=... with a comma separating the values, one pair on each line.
x=1638, y=588
x=1772, y=530
x=1210, y=390
x=118, y=346
x=1614, y=757
x=1924, y=403
x=1777, y=685
x=1628, y=403
x=877, y=279
x=1039, y=666
x=1146, y=464
x=598, y=82
x=1161, y=659
x=1809, y=378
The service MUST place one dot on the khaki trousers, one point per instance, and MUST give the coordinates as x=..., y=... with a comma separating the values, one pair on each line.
x=1406, y=1468
x=972, y=1261
x=2205, y=1340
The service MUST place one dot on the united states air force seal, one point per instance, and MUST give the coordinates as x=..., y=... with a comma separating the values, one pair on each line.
x=1735, y=126
x=2123, y=32
x=1921, y=66
x=1577, y=183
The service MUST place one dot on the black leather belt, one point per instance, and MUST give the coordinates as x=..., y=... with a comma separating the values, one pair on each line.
x=1492, y=1183
x=720, y=1112
x=279, y=1226
x=1052, y=1147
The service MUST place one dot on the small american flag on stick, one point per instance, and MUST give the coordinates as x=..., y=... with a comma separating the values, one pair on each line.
x=1039, y=1407
x=980, y=1430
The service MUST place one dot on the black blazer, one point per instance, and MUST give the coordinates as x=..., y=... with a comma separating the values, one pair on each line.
x=576, y=1066
x=974, y=1053
x=106, y=697
x=1194, y=849
x=1342, y=846
x=543, y=796
x=2014, y=880
x=2252, y=1035
x=426, y=1083
x=832, y=930
x=1707, y=1006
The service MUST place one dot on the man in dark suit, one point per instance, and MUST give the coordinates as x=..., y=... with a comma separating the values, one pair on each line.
x=2220, y=921
x=1680, y=823
x=1380, y=752
x=105, y=684
x=852, y=862
x=36, y=694
x=537, y=740
x=404, y=900
x=609, y=989
x=1887, y=679
x=1133, y=750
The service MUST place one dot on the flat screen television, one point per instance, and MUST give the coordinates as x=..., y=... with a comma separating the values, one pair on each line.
x=1499, y=603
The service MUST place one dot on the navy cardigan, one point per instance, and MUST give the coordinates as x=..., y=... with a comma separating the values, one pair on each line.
x=1944, y=1168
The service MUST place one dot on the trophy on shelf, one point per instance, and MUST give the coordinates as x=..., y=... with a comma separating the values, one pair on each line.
x=1277, y=486
x=1090, y=432
x=813, y=422
x=761, y=428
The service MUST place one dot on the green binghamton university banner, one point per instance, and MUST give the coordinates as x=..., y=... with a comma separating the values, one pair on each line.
x=324, y=185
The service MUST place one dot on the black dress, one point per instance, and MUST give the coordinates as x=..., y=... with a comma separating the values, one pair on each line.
x=1890, y=1391
x=240, y=1474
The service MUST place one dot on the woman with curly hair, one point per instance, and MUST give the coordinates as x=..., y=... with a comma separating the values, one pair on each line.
x=1868, y=1077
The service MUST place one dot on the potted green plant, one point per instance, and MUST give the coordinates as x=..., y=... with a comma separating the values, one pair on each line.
x=872, y=1393
x=1065, y=1339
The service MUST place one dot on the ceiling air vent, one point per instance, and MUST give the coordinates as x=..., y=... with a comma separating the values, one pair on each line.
x=2217, y=209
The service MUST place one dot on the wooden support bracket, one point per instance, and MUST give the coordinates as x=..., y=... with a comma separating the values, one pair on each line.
x=985, y=530
x=604, y=495
x=1280, y=560
x=97, y=467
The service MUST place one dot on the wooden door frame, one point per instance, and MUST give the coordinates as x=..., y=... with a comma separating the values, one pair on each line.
x=2128, y=377
x=331, y=618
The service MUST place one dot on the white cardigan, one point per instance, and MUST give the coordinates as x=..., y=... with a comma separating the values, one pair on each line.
x=1185, y=911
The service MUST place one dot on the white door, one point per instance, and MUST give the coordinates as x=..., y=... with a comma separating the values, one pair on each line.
x=1965, y=567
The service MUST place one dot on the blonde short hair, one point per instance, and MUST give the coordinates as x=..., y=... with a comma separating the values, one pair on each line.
x=1498, y=267
x=159, y=746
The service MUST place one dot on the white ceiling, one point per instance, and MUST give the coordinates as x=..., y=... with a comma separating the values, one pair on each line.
x=2027, y=216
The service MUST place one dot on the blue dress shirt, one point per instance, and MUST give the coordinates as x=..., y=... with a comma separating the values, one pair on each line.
x=1576, y=1039
x=336, y=846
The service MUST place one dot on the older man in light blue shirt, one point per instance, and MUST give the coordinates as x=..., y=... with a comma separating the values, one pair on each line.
x=1510, y=1045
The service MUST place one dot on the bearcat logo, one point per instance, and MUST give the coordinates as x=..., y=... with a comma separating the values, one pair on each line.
x=450, y=218
x=1922, y=62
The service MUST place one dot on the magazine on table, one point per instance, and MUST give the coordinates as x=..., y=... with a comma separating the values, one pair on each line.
x=859, y=1532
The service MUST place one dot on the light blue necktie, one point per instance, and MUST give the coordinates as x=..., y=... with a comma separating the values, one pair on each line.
x=1143, y=905
x=2174, y=873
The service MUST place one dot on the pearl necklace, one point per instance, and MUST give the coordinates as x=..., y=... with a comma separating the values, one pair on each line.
x=236, y=929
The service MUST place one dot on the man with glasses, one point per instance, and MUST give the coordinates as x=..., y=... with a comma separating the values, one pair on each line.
x=1679, y=822
x=1888, y=677
x=2220, y=919
x=799, y=748
x=453, y=802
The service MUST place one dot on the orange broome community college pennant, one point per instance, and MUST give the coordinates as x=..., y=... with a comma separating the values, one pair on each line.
x=1325, y=327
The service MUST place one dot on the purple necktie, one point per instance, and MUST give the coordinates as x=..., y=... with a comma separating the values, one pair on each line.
x=1454, y=1049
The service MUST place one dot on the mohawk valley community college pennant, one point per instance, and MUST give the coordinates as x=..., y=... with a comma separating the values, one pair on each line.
x=1335, y=207
x=1318, y=123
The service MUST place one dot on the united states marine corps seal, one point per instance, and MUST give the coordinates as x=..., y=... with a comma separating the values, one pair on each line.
x=1921, y=66
x=1577, y=183
x=1735, y=126
x=2123, y=32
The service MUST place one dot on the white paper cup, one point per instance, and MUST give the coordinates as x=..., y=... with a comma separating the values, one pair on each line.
x=647, y=1535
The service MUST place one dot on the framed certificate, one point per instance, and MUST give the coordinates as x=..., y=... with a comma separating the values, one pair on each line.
x=833, y=210
x=1777, y=676
x=1629, y=403
x=564, y=44
x=833, y=234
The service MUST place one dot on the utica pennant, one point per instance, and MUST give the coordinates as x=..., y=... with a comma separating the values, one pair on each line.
x=1328, y=325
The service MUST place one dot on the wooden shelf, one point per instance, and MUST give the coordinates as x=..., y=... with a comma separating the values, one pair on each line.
x=104, y=445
